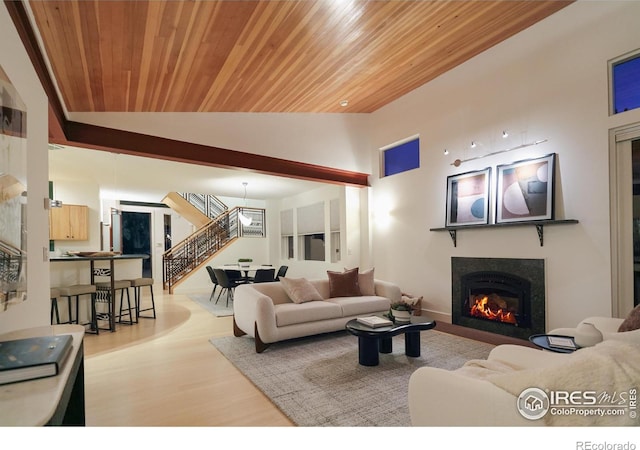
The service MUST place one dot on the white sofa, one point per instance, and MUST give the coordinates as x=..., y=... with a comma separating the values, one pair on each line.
x=484, y=392
x=265, y=312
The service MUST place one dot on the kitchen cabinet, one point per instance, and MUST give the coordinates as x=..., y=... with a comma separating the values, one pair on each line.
x=69, y=223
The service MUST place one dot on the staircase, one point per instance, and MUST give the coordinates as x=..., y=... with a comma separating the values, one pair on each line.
x=215, y=234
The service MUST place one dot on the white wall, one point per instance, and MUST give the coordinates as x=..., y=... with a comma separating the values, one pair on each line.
x=548, y=82
x=16, y=64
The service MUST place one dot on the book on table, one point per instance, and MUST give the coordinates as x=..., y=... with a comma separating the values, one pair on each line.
x=374, y=321
x=32, y=358
x=562, y=342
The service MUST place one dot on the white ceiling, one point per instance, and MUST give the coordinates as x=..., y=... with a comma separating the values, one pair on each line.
x=125, y=177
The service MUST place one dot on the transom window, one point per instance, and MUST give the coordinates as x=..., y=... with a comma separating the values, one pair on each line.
x=400, y=157
x=625, y=83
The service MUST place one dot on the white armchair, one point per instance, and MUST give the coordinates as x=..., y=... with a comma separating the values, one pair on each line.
x=469, y=396
x=486, y=392
x=608, y=326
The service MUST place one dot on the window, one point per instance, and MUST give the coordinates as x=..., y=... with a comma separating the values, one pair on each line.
x=400, y=157
x=625, y=84
x=312, y=247
x=310, y=220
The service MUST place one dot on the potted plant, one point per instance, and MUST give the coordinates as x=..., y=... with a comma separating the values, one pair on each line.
x=400, y=311
x=244, y=262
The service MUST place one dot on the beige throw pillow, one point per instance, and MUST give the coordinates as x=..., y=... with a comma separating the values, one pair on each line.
x=632, y=322
x=300, y=290
x=366, y=282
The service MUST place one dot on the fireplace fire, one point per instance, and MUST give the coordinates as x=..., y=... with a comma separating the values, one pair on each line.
x=491, y=307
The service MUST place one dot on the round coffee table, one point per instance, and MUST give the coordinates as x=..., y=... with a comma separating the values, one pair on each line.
x=372, y=341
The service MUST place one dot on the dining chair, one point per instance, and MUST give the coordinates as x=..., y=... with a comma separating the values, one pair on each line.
x=264, y=276
x=282, y=271
x=236, y=275
x=226, y=283
x=214, y=280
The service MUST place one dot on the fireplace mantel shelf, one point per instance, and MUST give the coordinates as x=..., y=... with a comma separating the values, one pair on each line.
x=539, y=224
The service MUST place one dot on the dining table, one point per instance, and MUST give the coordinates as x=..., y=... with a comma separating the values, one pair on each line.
x=111, y=258
x=245, y=269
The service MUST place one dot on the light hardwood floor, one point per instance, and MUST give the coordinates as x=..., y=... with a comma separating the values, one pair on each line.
x=164, y=372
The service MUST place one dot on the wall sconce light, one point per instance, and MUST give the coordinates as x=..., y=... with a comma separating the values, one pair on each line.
x=50, y=203
x=473, y=144
x=505, y=135
x=446, y=152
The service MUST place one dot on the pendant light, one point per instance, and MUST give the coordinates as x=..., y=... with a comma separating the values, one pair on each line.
x=246, y=221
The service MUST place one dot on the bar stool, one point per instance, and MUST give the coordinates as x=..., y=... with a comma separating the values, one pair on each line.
x=78, y=290
x=137, y=284
x=55, y=293
x=104, y=293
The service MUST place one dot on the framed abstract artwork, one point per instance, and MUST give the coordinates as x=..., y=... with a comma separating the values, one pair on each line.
x=468, y=198
x=525, y=190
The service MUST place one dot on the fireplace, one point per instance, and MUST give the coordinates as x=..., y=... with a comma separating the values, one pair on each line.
x=500, y=295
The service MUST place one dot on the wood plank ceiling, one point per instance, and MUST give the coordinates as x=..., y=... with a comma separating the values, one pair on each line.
x=264, y=56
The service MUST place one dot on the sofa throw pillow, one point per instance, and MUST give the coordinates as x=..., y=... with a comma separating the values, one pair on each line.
x=344, y=284
x=300, y=290
x=366, y=282
x=632, y=322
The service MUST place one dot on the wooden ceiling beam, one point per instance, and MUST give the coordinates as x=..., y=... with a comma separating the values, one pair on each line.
x=108, y=139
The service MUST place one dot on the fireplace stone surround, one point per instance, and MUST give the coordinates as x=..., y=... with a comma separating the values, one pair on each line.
x=530, y=272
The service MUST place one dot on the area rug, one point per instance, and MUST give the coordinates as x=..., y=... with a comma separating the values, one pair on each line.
x=317, y=381
x=219, y=310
